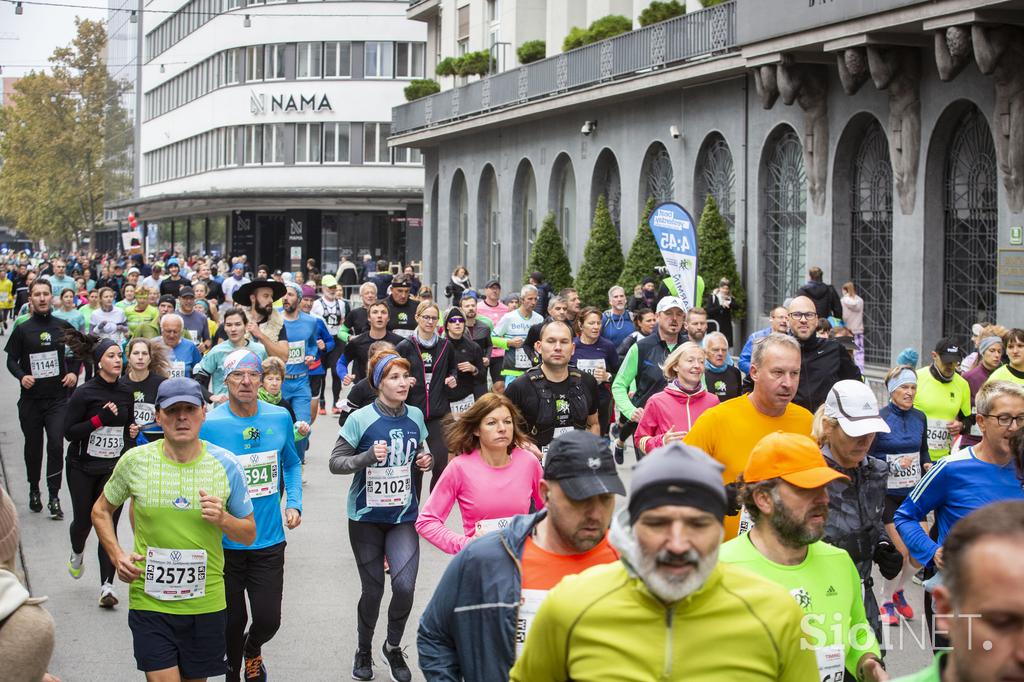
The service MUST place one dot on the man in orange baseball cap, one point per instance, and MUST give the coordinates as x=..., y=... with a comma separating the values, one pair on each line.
x=784, y=492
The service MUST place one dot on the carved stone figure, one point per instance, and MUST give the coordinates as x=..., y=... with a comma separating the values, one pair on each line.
x=952, y=51
x=853, y=69
x=807, y=85
x=897, y=70
x=767, y=85
x=999, y=52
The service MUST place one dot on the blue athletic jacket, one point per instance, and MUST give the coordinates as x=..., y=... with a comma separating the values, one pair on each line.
x=468, y=631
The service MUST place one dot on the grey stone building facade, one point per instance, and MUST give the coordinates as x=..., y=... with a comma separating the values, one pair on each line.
x=881, y=140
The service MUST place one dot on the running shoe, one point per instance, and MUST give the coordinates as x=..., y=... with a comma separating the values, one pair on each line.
x=887, y=612
x=255, y=671
x=35, y=501
x=614, y=430
x=362, y=667
x=322, y=409
x=335, y=410
x=899, y=600
x=620, y=453
x=108, y=599
x=76, y=565
x=399, y=669
x=56, y=513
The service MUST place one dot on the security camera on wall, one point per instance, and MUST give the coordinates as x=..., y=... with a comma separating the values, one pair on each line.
x=674, y=132
x=588, y=127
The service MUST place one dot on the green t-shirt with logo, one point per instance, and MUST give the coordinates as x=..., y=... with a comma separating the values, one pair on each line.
x=941, y=403
x=828, y=589
x=177, y=578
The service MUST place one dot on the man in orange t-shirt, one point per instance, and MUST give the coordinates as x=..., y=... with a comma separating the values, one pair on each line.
x=729, y=431
x=477, y=621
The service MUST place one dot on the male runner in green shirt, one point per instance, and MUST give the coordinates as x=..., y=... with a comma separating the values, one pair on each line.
x=186, y=493
x=785, y=493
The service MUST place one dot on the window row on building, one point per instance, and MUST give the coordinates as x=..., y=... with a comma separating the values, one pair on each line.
x=276, y=144
x=192, y=16
x=287, y=62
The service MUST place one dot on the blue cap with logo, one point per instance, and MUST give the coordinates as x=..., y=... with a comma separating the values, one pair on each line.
x=179, y=390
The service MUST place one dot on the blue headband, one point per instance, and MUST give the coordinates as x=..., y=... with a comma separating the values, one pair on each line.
x=381, y=368
x=906, y=376
x=987, y=343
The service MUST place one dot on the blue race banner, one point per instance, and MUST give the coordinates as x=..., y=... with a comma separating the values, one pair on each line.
x=676, y=235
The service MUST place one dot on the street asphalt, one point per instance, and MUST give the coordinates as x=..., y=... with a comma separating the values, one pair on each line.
x=317, y=636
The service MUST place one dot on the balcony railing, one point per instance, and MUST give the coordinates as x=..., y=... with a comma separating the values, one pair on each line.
x=697, y=34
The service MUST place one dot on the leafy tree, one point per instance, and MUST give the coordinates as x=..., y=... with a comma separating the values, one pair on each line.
x=715, y=259
x=53, y=140
x=548, y=256
x=661, y=11
x=531, y=51
x=602, y=259
x=644, y=256
x=421, y=87
x=605, y=27
x=711, y=3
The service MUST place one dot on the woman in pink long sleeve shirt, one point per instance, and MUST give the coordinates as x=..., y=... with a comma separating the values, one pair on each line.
x=492, y=480
x=670, y=414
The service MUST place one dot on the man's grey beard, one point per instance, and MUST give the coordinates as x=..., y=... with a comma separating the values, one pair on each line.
x=667, y=588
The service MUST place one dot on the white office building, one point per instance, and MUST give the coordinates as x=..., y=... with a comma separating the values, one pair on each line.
x=264, y=126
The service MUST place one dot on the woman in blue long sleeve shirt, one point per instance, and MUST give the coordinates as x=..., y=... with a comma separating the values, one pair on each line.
x=905, y=450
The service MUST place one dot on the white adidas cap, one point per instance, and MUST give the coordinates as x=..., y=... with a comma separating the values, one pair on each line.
x=855, y=407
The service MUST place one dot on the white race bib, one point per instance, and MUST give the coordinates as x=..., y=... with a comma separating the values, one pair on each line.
x=746, y=522
x=106, y=442
x=529, y=602
x=173, y=574
x=902, y=474
x=261, y=472
x=485, y=526
x=388, y=486
x=296, y=352
x=938, y=434
x=4, y=297
x=459, y=406
x=831, y=663
x=559, y=430
x=177, y=369
x=522, y=359
x=43, y=365
x=589, y=366
x=193, y=335
x=145, y=413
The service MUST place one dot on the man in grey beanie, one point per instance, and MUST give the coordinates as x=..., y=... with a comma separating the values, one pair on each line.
x=668, y=609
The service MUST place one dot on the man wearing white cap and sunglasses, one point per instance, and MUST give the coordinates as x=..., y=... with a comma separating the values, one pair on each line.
x=845, y=426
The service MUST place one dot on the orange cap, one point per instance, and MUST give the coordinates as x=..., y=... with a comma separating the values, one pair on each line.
x=792, y=457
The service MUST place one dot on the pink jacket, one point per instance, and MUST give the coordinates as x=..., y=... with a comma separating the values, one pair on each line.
x=671, y=409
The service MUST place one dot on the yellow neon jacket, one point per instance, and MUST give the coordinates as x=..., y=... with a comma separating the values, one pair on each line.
x=604, y=624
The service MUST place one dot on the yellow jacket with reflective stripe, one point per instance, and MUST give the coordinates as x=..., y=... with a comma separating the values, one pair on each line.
x=604, y=624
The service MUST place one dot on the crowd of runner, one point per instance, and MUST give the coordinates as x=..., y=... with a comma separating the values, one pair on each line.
x=768, y=487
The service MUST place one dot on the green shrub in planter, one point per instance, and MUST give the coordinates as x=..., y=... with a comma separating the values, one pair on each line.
x=548, y=256
x=421, y=87
x=474, y=64
x=531, y=51
x=661, y=11
x=715, y=257
x=602, y=259
x=607, y=27
x=446, y=67
x=644, y=256
x=577, y=38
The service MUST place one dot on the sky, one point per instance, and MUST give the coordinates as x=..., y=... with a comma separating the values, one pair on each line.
x=31, y=38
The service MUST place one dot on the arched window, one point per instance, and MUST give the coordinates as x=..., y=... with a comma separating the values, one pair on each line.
x=717, y=177
x=606, y=183
x=459, y=218
x=562, y=199
x=525, y=214
x=487, y=216
x=871, y=241
x=971, y=226
x=657, y=178
x=784, y=238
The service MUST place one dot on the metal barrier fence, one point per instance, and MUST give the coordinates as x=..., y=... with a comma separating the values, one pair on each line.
x=694, y=35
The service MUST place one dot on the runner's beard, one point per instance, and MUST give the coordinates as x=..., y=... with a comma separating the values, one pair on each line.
x=794, y=532
x=266, y=312
x=668, y=588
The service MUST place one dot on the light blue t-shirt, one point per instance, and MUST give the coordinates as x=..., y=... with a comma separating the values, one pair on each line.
x=391, y=498
x=264, y=448
x=184, y=357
